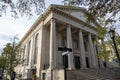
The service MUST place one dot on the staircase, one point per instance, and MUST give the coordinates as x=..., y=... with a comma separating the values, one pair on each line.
x=94, y=74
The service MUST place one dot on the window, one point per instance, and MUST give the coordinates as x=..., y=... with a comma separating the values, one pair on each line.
x=19, y=55
x=24, y=51
x=28, y=54
x=75, y=44
x=36, y=49
x=64, y=42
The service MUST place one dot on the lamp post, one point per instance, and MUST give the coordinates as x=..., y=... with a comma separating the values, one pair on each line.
x=112, y=35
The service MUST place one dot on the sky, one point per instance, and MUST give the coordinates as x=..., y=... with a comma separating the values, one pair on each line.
x=9, y=27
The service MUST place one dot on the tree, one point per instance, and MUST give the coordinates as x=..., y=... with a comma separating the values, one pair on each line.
x=22, y=7
x=99, y=8
x=102, y=10
x=104, y=53
x=117, y=39
x=5, y=56
x=2, y=61
x=107, y=48
x=10, y=57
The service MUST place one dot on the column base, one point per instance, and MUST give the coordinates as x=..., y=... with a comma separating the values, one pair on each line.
x=70, y=68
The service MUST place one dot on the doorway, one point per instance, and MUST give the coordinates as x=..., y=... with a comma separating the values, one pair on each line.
x=77, y=62
x=65, y=61
x=87, y=62
x=104, y=64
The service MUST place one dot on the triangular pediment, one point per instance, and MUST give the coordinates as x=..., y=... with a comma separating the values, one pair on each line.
x=77, y=12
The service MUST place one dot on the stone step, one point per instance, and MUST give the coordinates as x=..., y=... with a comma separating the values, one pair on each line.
x=97, y=74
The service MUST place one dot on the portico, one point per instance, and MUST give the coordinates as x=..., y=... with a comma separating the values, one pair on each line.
x=71, y=33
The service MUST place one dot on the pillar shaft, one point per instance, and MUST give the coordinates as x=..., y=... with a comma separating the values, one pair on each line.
x=92, y=53
x=69, y=45
x=82, y=50
x=52, y=45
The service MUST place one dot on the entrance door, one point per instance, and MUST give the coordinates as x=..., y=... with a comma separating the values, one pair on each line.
x=65, y=61
x=104, y=64
x=77, y=62
x=87, y=62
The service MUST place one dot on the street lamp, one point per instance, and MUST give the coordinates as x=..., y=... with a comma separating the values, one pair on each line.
x=112, y=35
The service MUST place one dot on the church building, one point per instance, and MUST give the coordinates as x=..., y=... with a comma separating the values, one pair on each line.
x=60, y=26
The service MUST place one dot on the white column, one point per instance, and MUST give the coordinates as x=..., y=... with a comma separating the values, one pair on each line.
x=52, y=45
x=95, y=50
x=33, y=45
x=69, y=45
x=92, y=53
x=82, y=50
x=30, y=53
x=89, y=55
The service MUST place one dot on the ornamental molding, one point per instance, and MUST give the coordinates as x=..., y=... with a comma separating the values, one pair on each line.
x=58, y=11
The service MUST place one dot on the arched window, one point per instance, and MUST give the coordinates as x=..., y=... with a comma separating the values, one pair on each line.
x=36, y=48
x=28, y=54
x=24, y=52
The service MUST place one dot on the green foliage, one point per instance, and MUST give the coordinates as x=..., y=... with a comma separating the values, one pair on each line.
x=22, y=7
x=9, y=57
x=2, y=61
x=34, y=76
x=107, y=50
x=107, y=11
x=101, y=32
x=104, y=55
x=117, y=39
x=5, y=57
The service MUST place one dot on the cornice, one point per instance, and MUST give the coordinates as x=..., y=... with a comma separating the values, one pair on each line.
x=58, y=11
x=63, y=7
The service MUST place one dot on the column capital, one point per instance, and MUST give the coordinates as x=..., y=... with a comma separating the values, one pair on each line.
x=90, y=34
x=53, y=20
x=80, y=30
x=68, y=25
x=69, y=37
